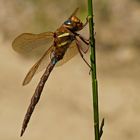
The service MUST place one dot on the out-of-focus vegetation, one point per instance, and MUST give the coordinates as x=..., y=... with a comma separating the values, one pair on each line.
x=33, y=16
x=118, y=23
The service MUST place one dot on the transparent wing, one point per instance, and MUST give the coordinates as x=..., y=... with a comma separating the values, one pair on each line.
x=74, y=13
x=27, y=42
x=45, y=59
x=83, y=46
x=38, y=66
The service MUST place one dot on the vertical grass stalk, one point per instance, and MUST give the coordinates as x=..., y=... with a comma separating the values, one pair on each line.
x=93, y=72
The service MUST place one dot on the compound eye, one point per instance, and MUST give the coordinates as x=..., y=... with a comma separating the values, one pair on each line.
x=68, y=22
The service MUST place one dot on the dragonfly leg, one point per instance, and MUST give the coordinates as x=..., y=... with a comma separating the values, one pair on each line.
x=86, y=41
x=78, y=47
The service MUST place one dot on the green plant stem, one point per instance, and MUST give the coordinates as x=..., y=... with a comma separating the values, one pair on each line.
x=93, y=72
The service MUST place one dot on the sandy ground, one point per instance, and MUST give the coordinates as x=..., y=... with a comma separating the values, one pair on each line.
x=65, y=108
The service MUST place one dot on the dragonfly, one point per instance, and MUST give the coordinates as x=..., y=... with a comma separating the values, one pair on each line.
x=66, y=43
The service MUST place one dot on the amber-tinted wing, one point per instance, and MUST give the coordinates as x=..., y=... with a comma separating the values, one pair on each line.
x=27, y=42
x=74, y=13
x=45, y=59
x=38, y=66
x=84, y=47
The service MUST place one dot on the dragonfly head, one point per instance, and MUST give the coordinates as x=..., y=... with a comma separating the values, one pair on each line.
x=73, y=23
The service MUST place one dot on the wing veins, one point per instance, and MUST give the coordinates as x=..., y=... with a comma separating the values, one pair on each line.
x=34, y=68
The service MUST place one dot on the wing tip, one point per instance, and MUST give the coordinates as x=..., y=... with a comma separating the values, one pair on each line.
x=25, y=82
x=74, y=13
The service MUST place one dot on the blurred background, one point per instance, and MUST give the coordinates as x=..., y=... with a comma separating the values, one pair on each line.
x=65, y=108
